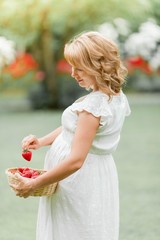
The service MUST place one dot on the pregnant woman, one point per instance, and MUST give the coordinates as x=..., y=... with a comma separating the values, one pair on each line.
x=85, y=205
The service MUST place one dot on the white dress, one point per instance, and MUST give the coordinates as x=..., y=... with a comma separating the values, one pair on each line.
x=86, y=204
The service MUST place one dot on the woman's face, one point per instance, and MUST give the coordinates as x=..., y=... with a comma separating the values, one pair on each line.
x=83, y=79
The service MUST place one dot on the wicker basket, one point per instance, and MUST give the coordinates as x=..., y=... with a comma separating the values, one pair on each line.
x=43, y=191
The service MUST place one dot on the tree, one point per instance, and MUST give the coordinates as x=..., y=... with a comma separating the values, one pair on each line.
x=43, y=26
x=154, y=10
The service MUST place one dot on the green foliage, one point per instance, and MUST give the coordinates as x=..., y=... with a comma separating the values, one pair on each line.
x=154, y=10
x=24, y=21
x=42, y=27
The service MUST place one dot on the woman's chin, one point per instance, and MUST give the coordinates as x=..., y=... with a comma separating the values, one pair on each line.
x=81, y=84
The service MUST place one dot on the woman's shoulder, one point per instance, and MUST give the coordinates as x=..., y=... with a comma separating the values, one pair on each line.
x=93, y=98
x=94, y=102
x=97, y=96
x=80, y=99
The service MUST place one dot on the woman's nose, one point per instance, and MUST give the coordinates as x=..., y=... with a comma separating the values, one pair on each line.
x=73, y=73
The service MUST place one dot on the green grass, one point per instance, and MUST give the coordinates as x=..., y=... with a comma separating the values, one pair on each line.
x=137, y=160
x=18, y=216
x=138, y=163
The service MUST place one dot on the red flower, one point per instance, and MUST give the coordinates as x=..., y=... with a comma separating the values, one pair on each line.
x=23, y=63
x=138, y=62
x=63, y=67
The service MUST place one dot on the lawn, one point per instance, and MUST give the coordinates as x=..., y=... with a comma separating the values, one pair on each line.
x=137, y=159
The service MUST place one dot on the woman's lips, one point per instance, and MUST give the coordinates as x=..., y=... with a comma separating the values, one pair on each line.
x=79, y=81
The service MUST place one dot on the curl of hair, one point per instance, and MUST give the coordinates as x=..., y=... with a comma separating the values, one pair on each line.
x=99, y=57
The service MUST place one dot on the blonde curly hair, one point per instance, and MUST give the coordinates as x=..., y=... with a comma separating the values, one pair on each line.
x=98, y=57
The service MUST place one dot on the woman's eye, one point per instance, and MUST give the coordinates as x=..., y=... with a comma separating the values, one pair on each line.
x=77, y=69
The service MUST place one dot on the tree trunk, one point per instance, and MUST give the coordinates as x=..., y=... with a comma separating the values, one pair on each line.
x=49, y=66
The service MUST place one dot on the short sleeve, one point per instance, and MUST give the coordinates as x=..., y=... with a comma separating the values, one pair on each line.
x=96, y=104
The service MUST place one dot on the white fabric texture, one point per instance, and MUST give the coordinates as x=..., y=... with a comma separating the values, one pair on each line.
x=85, y=205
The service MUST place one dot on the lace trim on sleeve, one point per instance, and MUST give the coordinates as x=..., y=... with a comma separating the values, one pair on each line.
x=97, y=105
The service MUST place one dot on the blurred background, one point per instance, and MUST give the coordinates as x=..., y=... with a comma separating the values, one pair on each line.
x=33, y=34
x=35, y=87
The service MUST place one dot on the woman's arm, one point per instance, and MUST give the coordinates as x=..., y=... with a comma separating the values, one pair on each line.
x=32, y=142
x=85, y=132
x=49, y=138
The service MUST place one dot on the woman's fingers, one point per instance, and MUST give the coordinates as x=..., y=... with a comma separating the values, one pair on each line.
x=21, y=189
x=30, y=142
x=19, y=177
x=27, y=140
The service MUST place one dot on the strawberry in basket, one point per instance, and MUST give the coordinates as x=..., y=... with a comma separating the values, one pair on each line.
x=28, y=172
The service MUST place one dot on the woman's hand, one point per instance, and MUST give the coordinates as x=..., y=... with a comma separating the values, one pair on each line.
x=30, y=142
x=24, y=188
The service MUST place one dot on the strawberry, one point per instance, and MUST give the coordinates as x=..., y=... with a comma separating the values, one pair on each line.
x=26, y=169
x=20, y=170
x=27, y=155
x=27, y=174
x=35, y=174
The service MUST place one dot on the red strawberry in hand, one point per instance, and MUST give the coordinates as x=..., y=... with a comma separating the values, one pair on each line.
x=26, y=154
